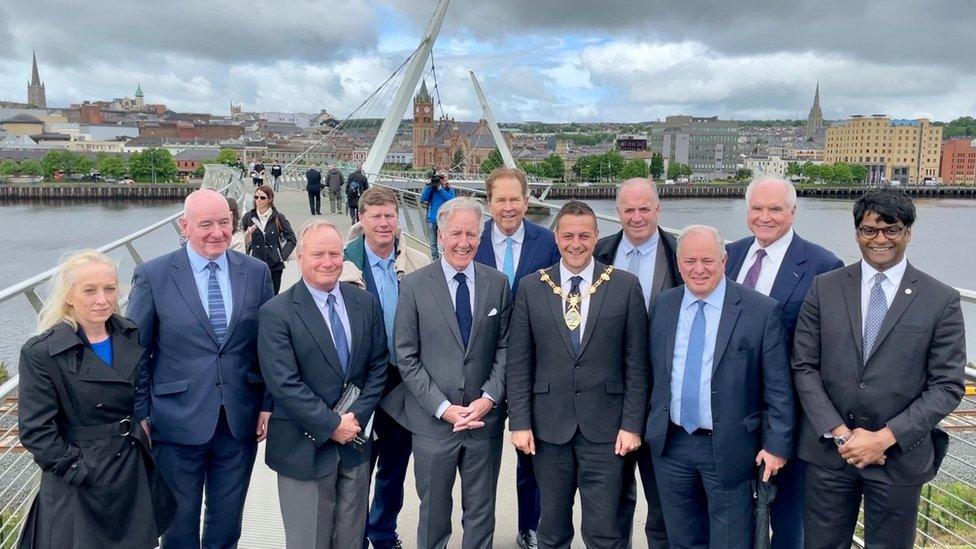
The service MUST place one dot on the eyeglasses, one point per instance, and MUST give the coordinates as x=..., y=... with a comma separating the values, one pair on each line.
x=259, y=197
x=891, y=232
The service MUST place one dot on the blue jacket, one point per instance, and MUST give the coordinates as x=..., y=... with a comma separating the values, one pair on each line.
x=435, y=198
x=185, y=375
x=539, y=250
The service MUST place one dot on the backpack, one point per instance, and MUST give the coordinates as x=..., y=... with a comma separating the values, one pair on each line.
x=353, y=189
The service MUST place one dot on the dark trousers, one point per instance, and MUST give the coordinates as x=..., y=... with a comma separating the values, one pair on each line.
x=701, y=510
x=315, y=202
x=786, y=512
x=591, y=467
x=390, y=457
x=276, y=279
x=654, y=530
x=833, y=497
x=353, y=213
x=222, y=469
x=527, y=490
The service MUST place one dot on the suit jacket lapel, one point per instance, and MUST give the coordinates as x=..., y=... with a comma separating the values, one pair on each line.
x=480, y=302
x=596, y=304
x=730, y=314
x=311, y=316
x=186, y=285
x=556, y=308
x=357, y=323
x=442, y=297
x=736, y=261
x=670, y=310
x=238, y=284
x=903, y=299
x=851, y=287
x=528, y=246
x=660, y=270
x=789, y=271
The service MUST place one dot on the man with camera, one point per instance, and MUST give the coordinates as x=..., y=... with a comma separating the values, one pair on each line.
x=437, y=192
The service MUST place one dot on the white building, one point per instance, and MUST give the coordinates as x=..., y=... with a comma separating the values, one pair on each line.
x=772, y=166
x=300, y=119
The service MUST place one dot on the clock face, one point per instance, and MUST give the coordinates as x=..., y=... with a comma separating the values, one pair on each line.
x=426, y=110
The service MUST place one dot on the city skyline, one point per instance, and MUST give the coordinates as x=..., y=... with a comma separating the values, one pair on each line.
x=557, y=61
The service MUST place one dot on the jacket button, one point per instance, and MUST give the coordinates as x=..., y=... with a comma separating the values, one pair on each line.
x=863, y=386
x=850, y=417
x=578, y=393
x=74, y=465
x=576, y=366
x=221, y=354
x=99, y=405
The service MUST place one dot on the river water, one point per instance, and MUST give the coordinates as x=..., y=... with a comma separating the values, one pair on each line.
x=943, y=243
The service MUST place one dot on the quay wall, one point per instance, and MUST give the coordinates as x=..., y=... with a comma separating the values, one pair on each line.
x=89, y=192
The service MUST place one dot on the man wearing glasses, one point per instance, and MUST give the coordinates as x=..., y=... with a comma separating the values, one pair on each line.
x=878, y=361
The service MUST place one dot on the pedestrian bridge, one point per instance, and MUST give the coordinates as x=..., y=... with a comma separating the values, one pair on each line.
x=948, y=509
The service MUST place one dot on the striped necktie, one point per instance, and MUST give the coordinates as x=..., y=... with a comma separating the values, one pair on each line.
x=215, y=304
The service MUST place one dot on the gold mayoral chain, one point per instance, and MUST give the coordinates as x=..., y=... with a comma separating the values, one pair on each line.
x=572, y=317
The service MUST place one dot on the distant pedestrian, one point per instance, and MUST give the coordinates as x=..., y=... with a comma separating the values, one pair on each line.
x=257, y=174
x=355, y=187
x=276, y=175
x=237, y=233
x=334, y=181
x=435, y=193
x=313, y=186
x=269, y=236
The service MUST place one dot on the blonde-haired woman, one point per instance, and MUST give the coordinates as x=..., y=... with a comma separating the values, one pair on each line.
x=99, y=487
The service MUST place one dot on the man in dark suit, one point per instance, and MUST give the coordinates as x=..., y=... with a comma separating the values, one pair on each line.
x=719, y=362
x=644, y=250
x=878, y=360
x=315, y=341
x=451, y=339
x=777, y=262
x=200, y=394
x=577, y=379
x=313, y=187
x=516, y=247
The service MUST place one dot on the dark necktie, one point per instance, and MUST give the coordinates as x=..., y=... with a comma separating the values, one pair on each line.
x=574, y=335
x=215, y=303
x=462, y=307
x=338, y=334
x=752, y=277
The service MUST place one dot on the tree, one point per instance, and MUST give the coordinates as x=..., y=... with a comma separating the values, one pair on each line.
x=82, y=164
x=657, y=165
x=143, y=165
x=32, y=168
x=859, y=173
x=112, y=166
x=9, y=167
x=674, y=170
x=686, y=170
x=811, y=171
x=556, y=168
x=55, y=161
x=743, y=173
x=841, y=173
x=793, y=168
x=493, y=161
x=226, y=156
x=457, y=163
x=634, y=168
x=200, y=171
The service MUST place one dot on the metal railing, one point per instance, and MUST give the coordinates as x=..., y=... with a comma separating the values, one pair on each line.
x=948, y=499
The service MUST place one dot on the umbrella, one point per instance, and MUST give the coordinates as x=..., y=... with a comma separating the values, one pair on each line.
x=764, y=493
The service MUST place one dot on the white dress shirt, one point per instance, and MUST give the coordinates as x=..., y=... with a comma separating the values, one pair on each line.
x=587, y=275
x=889, y=286
x=775, y=253
x=322, y=302
x=498, y=245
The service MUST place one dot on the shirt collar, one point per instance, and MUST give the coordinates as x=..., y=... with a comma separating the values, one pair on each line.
x=715, y=299
x=894, y=273
x=372, y=258
x=266, y=215
x=775, y=251
x=322, y=297
x=199, y=263
x=586, y=274
x=450, y=271
x=645, y=249
x=497, y=236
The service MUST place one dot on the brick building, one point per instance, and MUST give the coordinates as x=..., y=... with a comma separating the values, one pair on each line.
x=958, y=161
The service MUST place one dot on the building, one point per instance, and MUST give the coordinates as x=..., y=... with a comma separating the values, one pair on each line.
x=892, y=150
x=189, y=160
x=23, y=124
x=451, y=145
x=772, y=166
x=191, y=129
x=815, y=124
x=300, y=119
x=958, y=161
x=631, y=142
x=708, y=145
x=36, y=96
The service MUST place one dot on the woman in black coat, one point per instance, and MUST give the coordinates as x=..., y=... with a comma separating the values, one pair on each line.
x=78, y=377
x=265, y=229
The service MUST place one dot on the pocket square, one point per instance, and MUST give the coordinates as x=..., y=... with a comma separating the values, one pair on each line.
x=493, y=312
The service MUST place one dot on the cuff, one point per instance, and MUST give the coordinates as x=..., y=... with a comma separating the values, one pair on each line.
x=442, y=408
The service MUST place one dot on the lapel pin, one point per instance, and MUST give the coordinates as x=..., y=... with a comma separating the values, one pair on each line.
x=908, y=291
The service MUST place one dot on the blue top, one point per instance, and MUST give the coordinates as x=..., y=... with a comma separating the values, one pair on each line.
x=645, y=264
x=201, y=275
x=714, y=303
x=104, y=350
x=435, y=199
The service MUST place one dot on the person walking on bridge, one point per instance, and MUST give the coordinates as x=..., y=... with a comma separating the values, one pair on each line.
x=356, y=185
x=335, y=181
x=269, y=236
x=313, y=187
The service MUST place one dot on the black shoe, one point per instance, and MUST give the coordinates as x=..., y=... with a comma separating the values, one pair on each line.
x=526, y=539
x=394, y=543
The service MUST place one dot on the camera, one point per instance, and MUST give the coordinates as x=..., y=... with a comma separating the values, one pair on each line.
x=436, y=180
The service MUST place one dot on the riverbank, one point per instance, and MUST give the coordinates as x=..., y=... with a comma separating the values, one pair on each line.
x=708, y=190
x=98, y=191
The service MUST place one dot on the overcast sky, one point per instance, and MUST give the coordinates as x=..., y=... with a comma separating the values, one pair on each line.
x=550, y=60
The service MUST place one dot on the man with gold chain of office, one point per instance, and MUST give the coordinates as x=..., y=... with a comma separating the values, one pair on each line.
x=577, y=382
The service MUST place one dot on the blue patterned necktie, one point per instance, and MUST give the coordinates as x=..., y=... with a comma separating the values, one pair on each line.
x=388, y=301
x=574, y=335
x=215, y=304
x=508, y=265
x=462, y=307
x=691, y=381
x=338, y=334
x=633, y=266
x=877, y=307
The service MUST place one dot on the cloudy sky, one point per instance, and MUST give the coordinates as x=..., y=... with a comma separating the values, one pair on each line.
x=550, y=60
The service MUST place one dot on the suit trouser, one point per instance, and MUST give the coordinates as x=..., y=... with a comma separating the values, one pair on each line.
x=591, y=467
x=335, y=201
x=391, y=456
x=654, y=530
x=833, y=498
x=786, y=512
x=700, y=510
x=436, y=464
x=315, y=202
x=325, y=513
x=222, y=468
x=527, y=491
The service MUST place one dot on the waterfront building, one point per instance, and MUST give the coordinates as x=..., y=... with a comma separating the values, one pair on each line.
x=815, y=124
x=772, y=166
x=36, y=96
x=189, y=160
x=893, y=150
x=437, y=143
x=958, y=161
x=708, y=145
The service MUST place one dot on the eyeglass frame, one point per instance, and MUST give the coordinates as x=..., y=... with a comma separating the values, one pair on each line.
x=256, y=197
x=899, y=228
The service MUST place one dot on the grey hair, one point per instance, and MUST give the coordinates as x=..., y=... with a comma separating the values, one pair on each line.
x=313, y=225
x=790, y=189
x=460, y=204
x=639, y=182
x=719, y=239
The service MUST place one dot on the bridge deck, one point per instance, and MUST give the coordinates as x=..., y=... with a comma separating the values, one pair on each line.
x=262, y=518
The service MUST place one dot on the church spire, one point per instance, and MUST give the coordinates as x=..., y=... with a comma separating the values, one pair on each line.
x=815, y=118
x=35, y=75
x=423, y=95
x=816, y=97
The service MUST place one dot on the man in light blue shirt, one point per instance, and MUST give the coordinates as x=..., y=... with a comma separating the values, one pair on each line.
x=201, y=275
x=690, y=304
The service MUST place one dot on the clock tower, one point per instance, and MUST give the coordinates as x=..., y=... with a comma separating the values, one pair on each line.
x=423, y=126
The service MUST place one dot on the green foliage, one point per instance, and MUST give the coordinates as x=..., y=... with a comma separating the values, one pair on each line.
x=677, y=169
x=226, y=156
x=112, y=166
x=142, y=165
x=859, y=173
x=583, y=139
x=840, y=173
x=607, y=166
x=552, y=167
x=743, y=173
x=657, y=165
x=4, y=373
x=199, y=172
x=9, y=167
x=457, y=163
x=493, y=161
x=31, y=167
x=793, y=168
x=634, y=168
x=960, y=127
x=67, y=162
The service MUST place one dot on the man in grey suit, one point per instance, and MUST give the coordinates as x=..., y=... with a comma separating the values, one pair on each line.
x=315, y=342
x=451, y=336
x=577, y=380
x=878, y=360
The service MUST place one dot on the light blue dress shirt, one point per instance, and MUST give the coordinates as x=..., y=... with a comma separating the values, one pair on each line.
x=201, y=275
x=645, y=270
x=378, y=270
x=322, y=302
x=713, y=313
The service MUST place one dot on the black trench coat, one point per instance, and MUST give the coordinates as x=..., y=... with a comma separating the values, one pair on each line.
x=99, y=487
